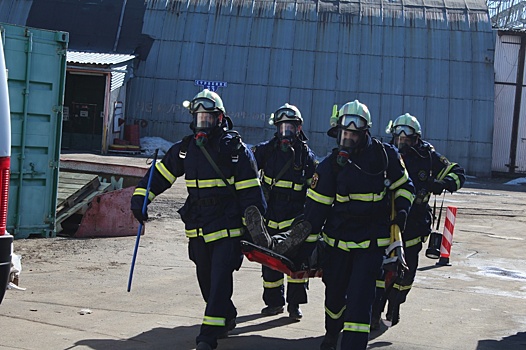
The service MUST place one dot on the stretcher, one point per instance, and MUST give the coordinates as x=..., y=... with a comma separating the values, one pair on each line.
x=277, y=262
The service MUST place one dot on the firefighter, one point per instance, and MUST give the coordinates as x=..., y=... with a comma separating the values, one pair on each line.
x=430, y=172
x=287, y=164
x=222, y=181
x=349, y=205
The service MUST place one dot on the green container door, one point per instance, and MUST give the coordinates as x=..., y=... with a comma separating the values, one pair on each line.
x=36, y=65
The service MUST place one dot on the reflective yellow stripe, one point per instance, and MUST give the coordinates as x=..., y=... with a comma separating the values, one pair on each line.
x=444, y=172
x=214, y=321
x=402, y=288
x=456, y=178
x=297, y=280
x=346, y=246
x=208, y=183
x=270, y=285
x=241, y=185
x=333, y=315
x=298, y=187
x=400, y=181
x=401, y=192
x=383, y=242
x=214, y=236
x=280, y=225
x=313, y=237
x=356, y=327
x=283, y=183
x=165, y=173
x=315, y=196
x=380, y=284
x=142, y=192
x=364, y=197
x=413, y=242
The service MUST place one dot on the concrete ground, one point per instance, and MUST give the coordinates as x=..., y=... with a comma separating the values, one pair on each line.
x=76, y=289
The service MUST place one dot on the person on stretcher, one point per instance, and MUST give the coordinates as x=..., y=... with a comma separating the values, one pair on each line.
x=290, y=244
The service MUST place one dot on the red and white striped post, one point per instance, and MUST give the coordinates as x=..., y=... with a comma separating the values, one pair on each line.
x=447, y=236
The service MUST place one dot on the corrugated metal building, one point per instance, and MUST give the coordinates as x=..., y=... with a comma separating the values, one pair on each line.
x=433, y=59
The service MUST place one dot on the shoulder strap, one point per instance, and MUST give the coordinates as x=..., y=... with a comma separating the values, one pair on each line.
x=184, y=146
x=282, y=171
x=218, y=171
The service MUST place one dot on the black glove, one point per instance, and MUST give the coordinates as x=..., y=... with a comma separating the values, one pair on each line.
x=437, y=186
x=401, y=263
x=140, y=216
x=400, y=220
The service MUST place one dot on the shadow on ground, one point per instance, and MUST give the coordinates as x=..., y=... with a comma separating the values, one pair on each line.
x=183, y=338
x=512, y=342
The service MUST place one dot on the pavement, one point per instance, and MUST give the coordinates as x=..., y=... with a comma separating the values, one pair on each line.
x=76, y=294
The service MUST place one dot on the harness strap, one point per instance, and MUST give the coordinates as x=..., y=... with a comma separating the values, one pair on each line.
x=218, y=171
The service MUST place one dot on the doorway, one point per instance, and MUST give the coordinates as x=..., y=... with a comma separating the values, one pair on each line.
x=83, y=111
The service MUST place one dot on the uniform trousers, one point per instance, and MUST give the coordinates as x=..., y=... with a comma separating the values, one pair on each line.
x=215, y=263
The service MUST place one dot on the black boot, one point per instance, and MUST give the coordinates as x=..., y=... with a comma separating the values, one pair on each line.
x=376, y=315
x=298, y=233
x=294, y=312
x=272, y=310
x=257, y=228
x=393, y=313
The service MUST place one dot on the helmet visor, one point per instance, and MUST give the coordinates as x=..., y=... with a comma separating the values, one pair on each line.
x=349, y=138
x=353, y=122
x=284, y=113
x=407, y=130
x=205, y=120
x=287, y=130
x=205, y=103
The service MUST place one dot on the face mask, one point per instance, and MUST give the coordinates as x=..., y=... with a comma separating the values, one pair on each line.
x=403, y=142
x=286, y=134
x=349, y=140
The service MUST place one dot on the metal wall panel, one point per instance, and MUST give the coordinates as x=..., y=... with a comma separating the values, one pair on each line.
x=398, y=58
x=506, y=58
x=15, y=12
x=504, y=104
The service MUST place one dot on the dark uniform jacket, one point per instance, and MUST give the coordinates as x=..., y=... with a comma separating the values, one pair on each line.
x=350, y=205
x=285, y=178
x=424, y=164
x=212, y=209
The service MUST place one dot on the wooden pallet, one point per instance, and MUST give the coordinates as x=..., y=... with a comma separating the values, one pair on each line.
x=75, y=192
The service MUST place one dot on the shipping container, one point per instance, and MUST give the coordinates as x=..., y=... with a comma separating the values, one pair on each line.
x=36, y=67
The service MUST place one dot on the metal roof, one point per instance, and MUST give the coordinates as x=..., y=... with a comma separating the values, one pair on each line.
x=80, y=57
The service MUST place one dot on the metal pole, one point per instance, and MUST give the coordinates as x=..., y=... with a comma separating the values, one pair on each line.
x=144, y=205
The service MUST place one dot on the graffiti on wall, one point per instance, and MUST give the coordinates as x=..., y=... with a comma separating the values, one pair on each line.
x=141, y=109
